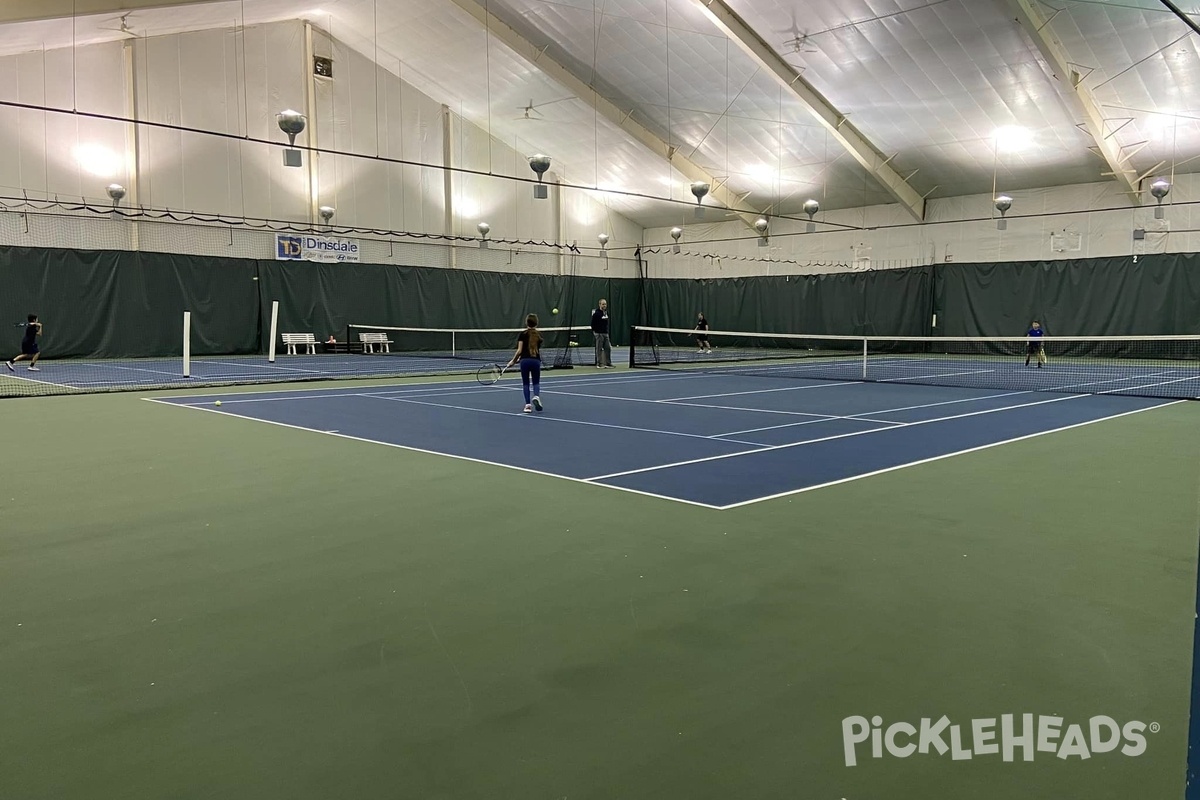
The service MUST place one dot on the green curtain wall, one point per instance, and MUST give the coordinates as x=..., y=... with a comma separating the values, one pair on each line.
x=109, y=304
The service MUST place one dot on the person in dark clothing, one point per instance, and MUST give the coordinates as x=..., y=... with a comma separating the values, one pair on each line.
x=29, y=345
x=1036, y=348
x=600, y=332
x=702, y=343
x=529, y=355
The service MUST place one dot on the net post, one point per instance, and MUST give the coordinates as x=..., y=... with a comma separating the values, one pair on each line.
x=864, y=366
x=632, y=343
x=274, y=331
x=187, y=344
x=453, y=345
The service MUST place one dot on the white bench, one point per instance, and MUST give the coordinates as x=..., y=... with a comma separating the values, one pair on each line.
x=306, y=339
x=371, y=340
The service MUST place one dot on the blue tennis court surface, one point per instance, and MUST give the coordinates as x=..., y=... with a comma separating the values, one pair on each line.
x=145, y=372
x=718, y=441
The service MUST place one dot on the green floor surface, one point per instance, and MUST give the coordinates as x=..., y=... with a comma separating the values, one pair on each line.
x=195, y=606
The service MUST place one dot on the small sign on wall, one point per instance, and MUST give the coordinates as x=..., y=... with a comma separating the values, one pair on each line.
x=1066, y=241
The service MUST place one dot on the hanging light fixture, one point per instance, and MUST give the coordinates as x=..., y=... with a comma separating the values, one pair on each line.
x=116, y=193
x=811, y=207
x=1160, y=189
x=539, y=164
x=762, y=226
x=292, y=123
x=1003, y=204
x=699, y=190
x=676, y=232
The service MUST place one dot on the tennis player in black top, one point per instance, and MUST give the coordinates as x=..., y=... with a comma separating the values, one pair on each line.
x=529, y=355
x=29, y=345
x=1036, y=347
x=702, y=337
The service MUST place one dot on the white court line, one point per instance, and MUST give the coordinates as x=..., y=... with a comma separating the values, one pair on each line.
x=15, y=376
x=934, y=375
x=178, y=374
x=241, y=365
x=942, y=456
x=838, y=436
x=335, y=434
x=824, y=385
x=561, y=420
x=922, y=405
x=1149, y=385
x=427, y=388
x=696, y=405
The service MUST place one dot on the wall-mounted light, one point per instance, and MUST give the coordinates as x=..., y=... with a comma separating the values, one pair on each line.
x=116, y=192
x=292, y=123
x=484, y=229
x=603, y=240
x=811, y=207
x=1003, y=204
x=539, y=164
x=326, y=213
x=1160, y=189
x=676, y=232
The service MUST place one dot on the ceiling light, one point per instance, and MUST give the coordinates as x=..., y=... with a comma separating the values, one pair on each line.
x=763, y=172
x=1012, y=137
x=98, y=160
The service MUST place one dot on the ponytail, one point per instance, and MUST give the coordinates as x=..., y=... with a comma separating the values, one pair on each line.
x=535, y=336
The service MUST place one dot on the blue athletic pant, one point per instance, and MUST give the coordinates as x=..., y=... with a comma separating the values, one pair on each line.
x=531, y=370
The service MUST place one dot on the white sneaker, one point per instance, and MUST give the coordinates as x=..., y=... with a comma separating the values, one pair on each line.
x=528, y=409
x=537, y=402
x=35, y=369
x=11, y=368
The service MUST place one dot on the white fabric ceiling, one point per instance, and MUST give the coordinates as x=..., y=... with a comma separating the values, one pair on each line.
x=927, y=82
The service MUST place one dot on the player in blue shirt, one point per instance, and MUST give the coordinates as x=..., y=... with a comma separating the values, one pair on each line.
x=29, y=345
x=1036, y=347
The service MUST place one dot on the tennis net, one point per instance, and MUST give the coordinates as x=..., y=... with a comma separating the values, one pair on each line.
x=368, y=351
x=560, y=346
x=1147, y=366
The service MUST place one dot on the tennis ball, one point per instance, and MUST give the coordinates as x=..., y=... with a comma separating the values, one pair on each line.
x=217, y=403
x=554, y=311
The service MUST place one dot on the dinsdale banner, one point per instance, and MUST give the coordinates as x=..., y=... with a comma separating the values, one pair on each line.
x=292, y=247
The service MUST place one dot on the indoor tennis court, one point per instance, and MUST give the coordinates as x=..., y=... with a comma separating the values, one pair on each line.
x=600, y=399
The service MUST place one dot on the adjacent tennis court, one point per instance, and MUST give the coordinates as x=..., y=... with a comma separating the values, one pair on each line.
x=718, y=441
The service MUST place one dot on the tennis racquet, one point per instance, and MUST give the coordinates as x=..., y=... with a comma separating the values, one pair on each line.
x=490, y=373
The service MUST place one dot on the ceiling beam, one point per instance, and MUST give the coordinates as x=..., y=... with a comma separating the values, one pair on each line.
x=857, y=145
x=32, y=10
x=538, y=57
x=1037, y=27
